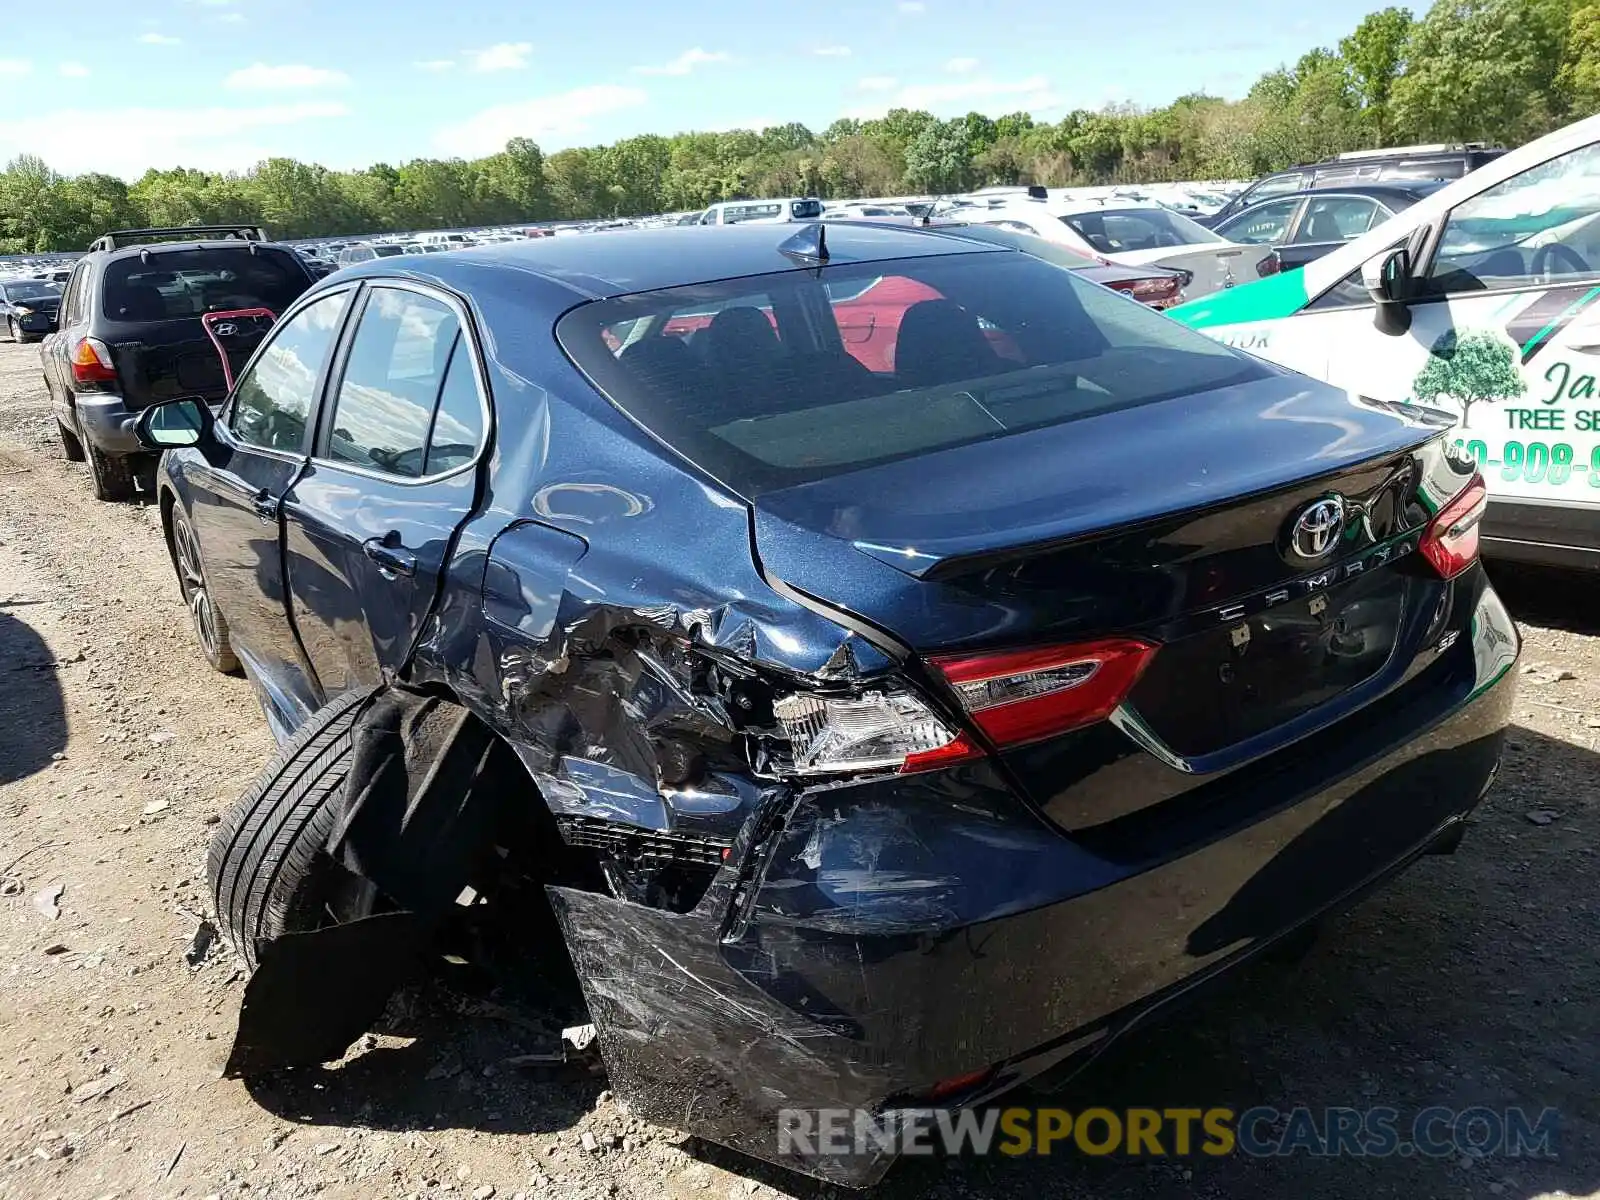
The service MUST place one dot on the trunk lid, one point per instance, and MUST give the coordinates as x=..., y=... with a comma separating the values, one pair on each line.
x=1215, y=266
x=1173, y=522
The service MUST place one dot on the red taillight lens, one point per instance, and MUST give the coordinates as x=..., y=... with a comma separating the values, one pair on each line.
x=1015, y=697
x=1451, y=540
x=91, y=362
x=1023, y=695
x=1159, y=290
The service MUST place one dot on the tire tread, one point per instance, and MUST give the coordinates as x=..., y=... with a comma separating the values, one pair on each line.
x=267, y=844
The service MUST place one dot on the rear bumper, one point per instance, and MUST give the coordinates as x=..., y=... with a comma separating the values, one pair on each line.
x=105, y=421
x=893, y=934
x=1542, y=533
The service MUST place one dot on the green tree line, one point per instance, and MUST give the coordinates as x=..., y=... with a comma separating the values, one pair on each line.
x=1482, y=70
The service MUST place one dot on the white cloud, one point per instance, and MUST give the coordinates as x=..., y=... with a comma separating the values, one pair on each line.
x=561, y=117
x=507, y=56
x=685, y=62
x=832, y=51
x=955, y=97
x=14, y=68
x=128, y=141
x=913, y=7
x=878, y=83
x=961, y=66
x=293, y=77
x=230, y=18
x=435, y=64
x=73, y=70
x=159, y=39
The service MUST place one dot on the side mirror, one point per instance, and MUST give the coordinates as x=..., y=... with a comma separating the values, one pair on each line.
x=1387, y=278
x=174, y=423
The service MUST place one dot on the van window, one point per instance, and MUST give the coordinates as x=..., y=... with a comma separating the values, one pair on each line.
x=926, y=354
x=806, y=210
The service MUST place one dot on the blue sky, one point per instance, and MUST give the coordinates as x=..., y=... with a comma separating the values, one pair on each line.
x=220, y=84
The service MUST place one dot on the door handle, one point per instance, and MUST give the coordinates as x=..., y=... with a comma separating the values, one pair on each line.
x=393, y=560
x=265, y=506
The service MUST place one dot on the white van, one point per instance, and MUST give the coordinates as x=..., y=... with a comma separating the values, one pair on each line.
x=738, y=212
x=1481, y=301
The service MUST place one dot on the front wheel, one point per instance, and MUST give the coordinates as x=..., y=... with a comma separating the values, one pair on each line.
x=210, y=626
x=14, y=330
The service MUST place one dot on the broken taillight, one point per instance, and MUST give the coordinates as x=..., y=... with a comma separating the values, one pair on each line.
x=1450, y=542
x=91, y=362
x=1014, y=697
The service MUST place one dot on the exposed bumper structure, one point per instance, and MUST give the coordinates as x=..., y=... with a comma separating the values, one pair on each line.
x=887, y=936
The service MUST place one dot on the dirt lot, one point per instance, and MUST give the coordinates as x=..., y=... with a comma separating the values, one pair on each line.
x=1470, y=981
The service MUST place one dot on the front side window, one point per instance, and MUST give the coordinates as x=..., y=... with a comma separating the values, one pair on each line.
x=922, y=355
x=391, y=382
x=272, y=400
x=1265, y=225
x=1539, y=227
x=1337, y=219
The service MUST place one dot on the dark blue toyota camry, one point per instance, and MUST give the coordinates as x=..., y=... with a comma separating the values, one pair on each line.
x=879, y=667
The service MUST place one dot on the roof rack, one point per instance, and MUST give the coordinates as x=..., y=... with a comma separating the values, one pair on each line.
x=117, y=238
x=1397, y=151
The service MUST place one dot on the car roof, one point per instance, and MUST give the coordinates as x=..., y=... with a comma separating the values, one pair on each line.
x=1413, y=190
x=602, y=265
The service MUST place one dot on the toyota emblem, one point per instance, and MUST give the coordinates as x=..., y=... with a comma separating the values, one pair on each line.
x=1317, y=530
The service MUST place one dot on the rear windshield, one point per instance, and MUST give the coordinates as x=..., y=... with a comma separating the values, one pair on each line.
x=775, y=380
x=1116, y=231
x=172, y=284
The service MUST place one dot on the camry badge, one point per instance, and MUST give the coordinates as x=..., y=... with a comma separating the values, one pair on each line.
x=1317, y=530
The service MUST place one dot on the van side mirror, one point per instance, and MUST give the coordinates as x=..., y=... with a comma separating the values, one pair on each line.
x=1387, y=278
x=174, y=423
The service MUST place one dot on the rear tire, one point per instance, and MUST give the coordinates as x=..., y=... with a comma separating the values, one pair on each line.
x=210, y=626
x=268, y=867
x=111, y=474
x=70, y=445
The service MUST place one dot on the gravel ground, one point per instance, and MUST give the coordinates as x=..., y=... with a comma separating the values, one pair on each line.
x=1468, y=981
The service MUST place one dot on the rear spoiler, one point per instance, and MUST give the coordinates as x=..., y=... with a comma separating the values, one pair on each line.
x=190, y=233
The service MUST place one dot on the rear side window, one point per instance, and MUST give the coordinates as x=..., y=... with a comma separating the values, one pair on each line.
x=169, y=285
x=391, y=383
x=1118, y=231
x=793, y=377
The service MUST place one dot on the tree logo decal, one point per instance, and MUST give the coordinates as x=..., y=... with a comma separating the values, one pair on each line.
x=1471, y=368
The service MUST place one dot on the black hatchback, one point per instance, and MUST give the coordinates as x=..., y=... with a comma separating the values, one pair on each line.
x=879, y=666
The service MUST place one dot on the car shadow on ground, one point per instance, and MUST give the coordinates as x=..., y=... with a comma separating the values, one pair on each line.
x=1568, y=600
x=442, y=1059
x=33, y=715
